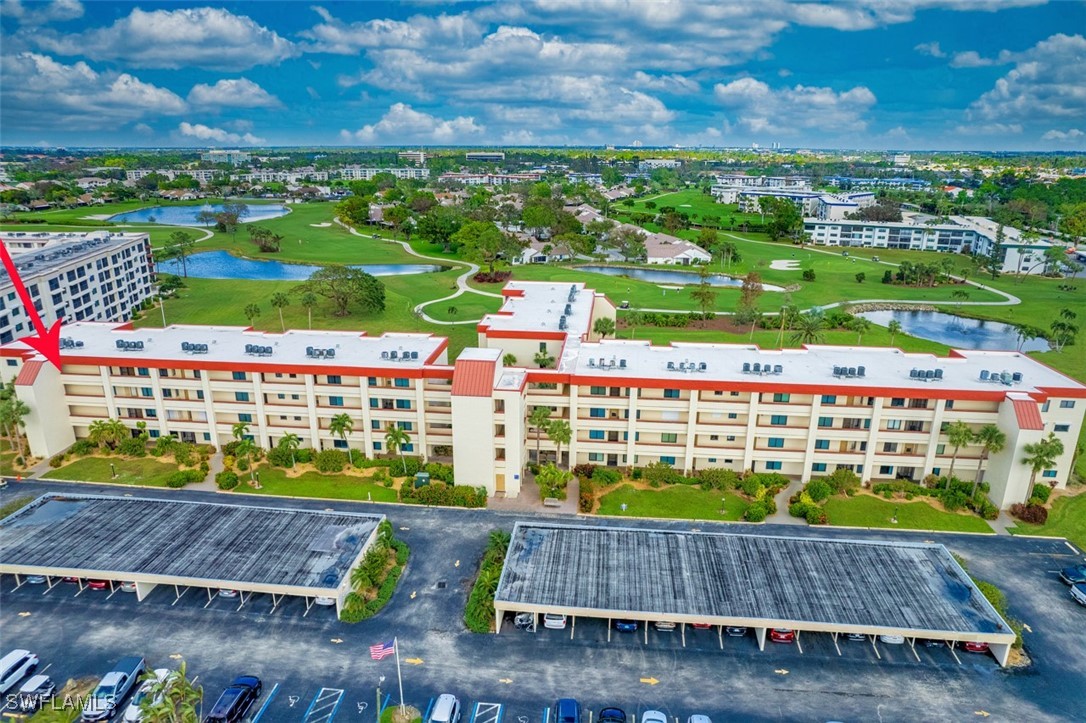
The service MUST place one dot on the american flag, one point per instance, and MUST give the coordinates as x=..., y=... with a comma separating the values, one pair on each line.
x=382, y=650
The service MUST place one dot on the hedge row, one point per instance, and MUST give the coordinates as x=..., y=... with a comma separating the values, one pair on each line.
x=479, y=612
x=357, y=608
x=442, y=494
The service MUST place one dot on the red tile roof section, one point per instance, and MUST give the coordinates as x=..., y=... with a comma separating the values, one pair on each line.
x=29, y=373
x=1028, y=413
x=473, y=378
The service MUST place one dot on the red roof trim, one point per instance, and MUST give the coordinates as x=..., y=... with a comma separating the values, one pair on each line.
x=473, y=378
x=1029, y=415
x=29, y=373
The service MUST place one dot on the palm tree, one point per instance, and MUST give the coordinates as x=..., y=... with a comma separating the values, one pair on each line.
x=240, y=430
x=633, y=320
x=395, y=440
x=543, y=360
x=174, y=699
x=509, y=360
x=959, y=434
x=540, y=418
x=993, y=440
x=604, y=326
x=251, y=311
x=109, y=432
x=290, y=441
x=1041, y=455
x=810, y=328
x=341, y=425
x=894, y=327
x=861, y=326
x=559, y=432
x=309, y=300
x=279, y=300
x=12, y=413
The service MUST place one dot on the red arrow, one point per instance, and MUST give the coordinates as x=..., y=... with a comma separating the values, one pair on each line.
x=47, y=341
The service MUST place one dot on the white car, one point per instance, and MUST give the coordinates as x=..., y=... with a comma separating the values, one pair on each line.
x=15, y=666
x=892, y=639
x=698, y=718
x=653, y=716
x=554, y=621
x=128, y=587
x=227, y=592
x=132, y=713
x=326, y=601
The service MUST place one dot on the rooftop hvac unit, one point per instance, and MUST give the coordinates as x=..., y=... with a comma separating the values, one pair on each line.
x=914, y=373
x=852, y=371
x=671, y=366
x=384, y=355
x=938, y=373
x=394, y=354
x=746, y=367
x=622, y=364
x=860, y=371
x=591, y=362
x=701, y=367
x=1015, y=377
x=757, y=368
x=984, y=375
x=569, y=309
x=777, y=368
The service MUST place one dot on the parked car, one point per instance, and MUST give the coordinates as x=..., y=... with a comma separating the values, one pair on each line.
x=735, y=631
x=857, y=637
x=36, y=579
x=701, y=626
x=554, y=621
x=446, y=709
x=128, y=587
x=227, y=592
x=133, y=714
x=33, y=694
x=653, y=716
x=567, y=710
x=929, y=643
x=625, y=626
x=524, y=621
x=71, y=579
x=892, y=639
x=1074, y=574
x=976, y=647
x=664, y=626
x=782, y=635
x=325, y=601
x=611, y=715
x=1078, y=593
x=698, y=718
x=113, y=689
x=15, y=666
x=98, y=584
x=235, y=701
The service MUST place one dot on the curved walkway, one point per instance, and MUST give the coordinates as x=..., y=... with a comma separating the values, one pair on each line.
x=462, y=286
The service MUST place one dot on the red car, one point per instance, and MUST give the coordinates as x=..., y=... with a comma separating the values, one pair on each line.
x=976, y=647
x=782, y=635
x=97, y=584
x=701, y=626
x=71, y=579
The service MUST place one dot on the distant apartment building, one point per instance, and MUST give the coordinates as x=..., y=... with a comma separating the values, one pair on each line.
x=202, y=175
x=847, y=182
x=485, y=156
x=98, y=276
x=811, y=203
x=742, y=180
x=416, y=157
x=490, y=179
x=803, y=413
x=359, y=173
x=651, y=164
x=899, y=160
x=297, y=175
x=593, y=179
x=660, y=248
x=234, y=158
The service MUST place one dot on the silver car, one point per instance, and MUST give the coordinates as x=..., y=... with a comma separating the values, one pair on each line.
x=133, y=713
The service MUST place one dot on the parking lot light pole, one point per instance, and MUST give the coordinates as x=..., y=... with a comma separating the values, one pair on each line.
x=113, y=470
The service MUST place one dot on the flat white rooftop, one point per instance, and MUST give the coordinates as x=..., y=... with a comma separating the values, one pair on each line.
x=36, y=254
x=815, y=365
x=538, y=306
x=228, y=344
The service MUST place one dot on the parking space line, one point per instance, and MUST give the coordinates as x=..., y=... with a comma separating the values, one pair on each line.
x=484, y=712
x=267, y=702
x=546, y=715
x=323, y=706
x=429, y=707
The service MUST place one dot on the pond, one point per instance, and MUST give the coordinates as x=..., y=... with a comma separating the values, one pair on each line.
x=956, y=331
x=665, y=276
x=221, y=265
x=186, y=215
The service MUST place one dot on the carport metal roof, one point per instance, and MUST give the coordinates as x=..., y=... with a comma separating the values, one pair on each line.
x=172, y=542
x=830, y=585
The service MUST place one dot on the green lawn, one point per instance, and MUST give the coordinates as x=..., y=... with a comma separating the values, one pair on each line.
x=682, y=502
x=313, y=484
x=692, y=202
x=142, y=471
x=869, y=511
x=1067, y=518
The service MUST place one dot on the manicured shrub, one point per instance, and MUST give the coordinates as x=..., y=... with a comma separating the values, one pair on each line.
x=752, y=487
x=757, y=512
x=953, y=500
x=659, y=473
x=1041, y=493
x=81, y=447
x=57, y=460
x=815, y=516
x=132, y=447
x=842, y=481
x=444, y=495
x=586, y=495
x=184, y=454
x=798, y=509
x=409, y=467
x=819, y=490
x=987, y=510
x=303, y=455
x=584, y=470
x=808, y=275
x=241, y=464
x=226, y=480
x=479, y=611
x=605, y=476
x=717, y=478
x=179, y=479
x=330, y=460
x=439, y=472
x=1032, y=513
x=280, y=457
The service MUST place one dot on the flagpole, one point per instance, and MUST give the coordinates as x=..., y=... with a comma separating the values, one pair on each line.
x=399, y=677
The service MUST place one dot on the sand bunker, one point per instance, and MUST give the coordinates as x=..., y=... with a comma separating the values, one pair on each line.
x=320, y=225
x=785, y=265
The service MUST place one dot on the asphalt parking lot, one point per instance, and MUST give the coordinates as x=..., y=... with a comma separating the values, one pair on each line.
x=317, y=670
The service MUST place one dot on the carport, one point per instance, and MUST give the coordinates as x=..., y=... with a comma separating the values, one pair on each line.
x=185, y=545
x=914, y=590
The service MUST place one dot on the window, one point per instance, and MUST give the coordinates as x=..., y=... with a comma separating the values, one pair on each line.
x=825, y=421
x=376, y=446
x=281, y=396
x=199, y=394
x=776, y=442
x=155, y=434
x=949, y=404
x=375, y=424
x=890, y=447
x=940, y=449
x=152, y=414
x=730, y=438
x=335, y=401
x=374, y=403
x=143, y=372
x=339, y=443
x=1049, y=473
x=867, y=424
x=1044, y=407
x=772, y=465
x=595, y=456
x=1062, y=428
x=403, y=404
x=543, y=347
x=409, y=447
x=822, y=444
x=897, y=402
x=734, y=394
x=1067, y=404
x=598, y=391
x=779, y=397
x=597, y=412
x=893, y=424
x=936, y=471
x=778, y=420
x=147, y=392
x=733, y=415
x=371, y=381
x=239, y=376
x=334, y=379
x=886, y=469
x=241, y=396
x=818, y=467
x=595, y=434
x=712, y=460
x=403, y=382
x=247, y=418
x=668, y=460
x=829, y=399
x=669, y=437
x=671, y=394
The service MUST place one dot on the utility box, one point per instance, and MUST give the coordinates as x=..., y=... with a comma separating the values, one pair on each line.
x=422, y=479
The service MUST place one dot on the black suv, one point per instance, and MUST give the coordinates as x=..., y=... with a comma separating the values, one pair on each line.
x=235, y=701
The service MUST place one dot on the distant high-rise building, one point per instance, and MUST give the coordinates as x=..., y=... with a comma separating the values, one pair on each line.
x=416, y=157
x=486, y=156
x=234, y=158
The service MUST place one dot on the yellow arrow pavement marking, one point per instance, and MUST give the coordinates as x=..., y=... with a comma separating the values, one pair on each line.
x=404, y=528
x=456, y=564
x=24, y=614
x=414, y=661
x=505, y=680
x=413, y=593
x=982, y=713
x=781, y=671
x=650, y=681
x=1027, y=628
x=176, y=656
x=337, y=641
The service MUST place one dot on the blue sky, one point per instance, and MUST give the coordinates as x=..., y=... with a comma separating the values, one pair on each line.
x=901, y=74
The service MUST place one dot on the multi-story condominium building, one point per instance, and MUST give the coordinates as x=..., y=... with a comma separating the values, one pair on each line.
x=916, y=184
x=234, y=158
x=203, y=175
x=297, y=175
x=651, y=164
x=811, y=203
x=358, y=173
x=489, y=179
x=86, y=276
x=485, y=156
x=800, y=412
x=416, y=157
x=742, y=180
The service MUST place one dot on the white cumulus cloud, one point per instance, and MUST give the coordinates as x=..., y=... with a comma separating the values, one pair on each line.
x=404, y=124
x=233, y=93
x=39, y=13
x=787, y=111
x=202, y=132
x=931, y=49
x=1068, y=135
